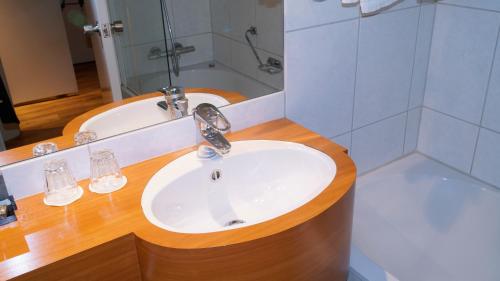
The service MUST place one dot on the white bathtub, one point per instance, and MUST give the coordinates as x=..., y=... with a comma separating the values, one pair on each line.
x=201, y=76
x=421, y=220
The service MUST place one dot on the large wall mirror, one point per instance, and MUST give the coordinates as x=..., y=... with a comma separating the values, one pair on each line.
x=58, y=81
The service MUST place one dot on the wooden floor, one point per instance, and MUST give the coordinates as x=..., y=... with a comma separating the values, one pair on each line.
x=46, y=119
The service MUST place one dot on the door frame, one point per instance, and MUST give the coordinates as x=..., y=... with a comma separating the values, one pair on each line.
x=100, y=8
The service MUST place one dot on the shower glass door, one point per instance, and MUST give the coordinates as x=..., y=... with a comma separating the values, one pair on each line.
x=141, y=47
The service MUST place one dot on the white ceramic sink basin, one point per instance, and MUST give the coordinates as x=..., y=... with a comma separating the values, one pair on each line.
x=259, y=181
x=141, y=114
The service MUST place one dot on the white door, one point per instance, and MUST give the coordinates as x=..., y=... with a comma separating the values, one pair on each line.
x=104, y=47
x=34, y=50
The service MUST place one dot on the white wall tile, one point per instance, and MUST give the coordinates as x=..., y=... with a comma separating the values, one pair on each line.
x=306, y=13
x=447, y=139
x=491, y=117
x=482, y=4
x=221, y=16
x=204, y=49
x=137, y=56
x=26, y=178
x=385, y=60
x=403, y=4
x=191, y=17
x=140, y=16
x=320, y=77
x=379, y=143
x=422, y=52
x=242, y=16
x=230, y=21
x=487, y=159
x=273, y=80
x=243, y=60
x=269, y=23
x=412, y=128
x=344, y=140
x=255, y=111
x=460, y=62
x=222, y=49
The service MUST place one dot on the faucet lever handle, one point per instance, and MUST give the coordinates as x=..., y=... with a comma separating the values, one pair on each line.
x=211, y=116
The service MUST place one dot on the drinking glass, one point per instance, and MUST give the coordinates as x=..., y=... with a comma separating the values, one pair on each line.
x=105, y=173
x=61, y=187
x=44, y=148
x=85, y=137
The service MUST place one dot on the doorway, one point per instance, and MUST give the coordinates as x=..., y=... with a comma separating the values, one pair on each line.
x=53, y=74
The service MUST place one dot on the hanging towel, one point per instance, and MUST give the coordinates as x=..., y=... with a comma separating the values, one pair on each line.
x=370, y=6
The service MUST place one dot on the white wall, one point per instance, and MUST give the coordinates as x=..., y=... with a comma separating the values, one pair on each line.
x=230, y=21
x=359, y=81
x=34, y=50
x=461, y=116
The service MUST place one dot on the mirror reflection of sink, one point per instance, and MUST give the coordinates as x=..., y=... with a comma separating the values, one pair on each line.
x=140, y=114
x=257, y=181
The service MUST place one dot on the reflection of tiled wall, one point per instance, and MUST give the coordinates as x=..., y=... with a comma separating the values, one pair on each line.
x=461, y=116
x=230, y=20
x=358, y=80
x=144, y=30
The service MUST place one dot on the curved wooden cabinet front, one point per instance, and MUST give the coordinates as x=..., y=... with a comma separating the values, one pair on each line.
x=317, y=250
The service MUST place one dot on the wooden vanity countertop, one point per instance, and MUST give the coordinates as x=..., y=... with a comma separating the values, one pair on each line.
x=66, y=140
x=43, y=235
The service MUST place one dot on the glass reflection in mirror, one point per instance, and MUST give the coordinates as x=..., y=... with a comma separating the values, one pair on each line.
x=217, y=51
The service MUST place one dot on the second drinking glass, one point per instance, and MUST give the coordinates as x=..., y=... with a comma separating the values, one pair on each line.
x=105, y=173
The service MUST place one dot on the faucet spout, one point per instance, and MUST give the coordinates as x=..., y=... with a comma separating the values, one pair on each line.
x=212, y=124
x=176, y=102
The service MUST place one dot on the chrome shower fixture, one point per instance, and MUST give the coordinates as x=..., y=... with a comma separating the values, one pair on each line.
x=272, y=65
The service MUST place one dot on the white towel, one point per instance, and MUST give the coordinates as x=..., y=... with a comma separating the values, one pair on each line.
x=370, y=6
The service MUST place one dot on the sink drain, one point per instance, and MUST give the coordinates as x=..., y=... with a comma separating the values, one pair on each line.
x=233, y=222
x=216, y=175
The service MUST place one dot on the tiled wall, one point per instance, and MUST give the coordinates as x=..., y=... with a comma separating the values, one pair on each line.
x=192, y=26
x=358, y=80
x=231, y=19
x=215, y=27
x=461, y=116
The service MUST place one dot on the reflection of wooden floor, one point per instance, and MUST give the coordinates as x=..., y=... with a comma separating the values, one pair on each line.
x=46, y=119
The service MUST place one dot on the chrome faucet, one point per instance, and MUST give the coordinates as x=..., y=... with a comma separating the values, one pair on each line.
x=176, y=102
x=212, y=124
